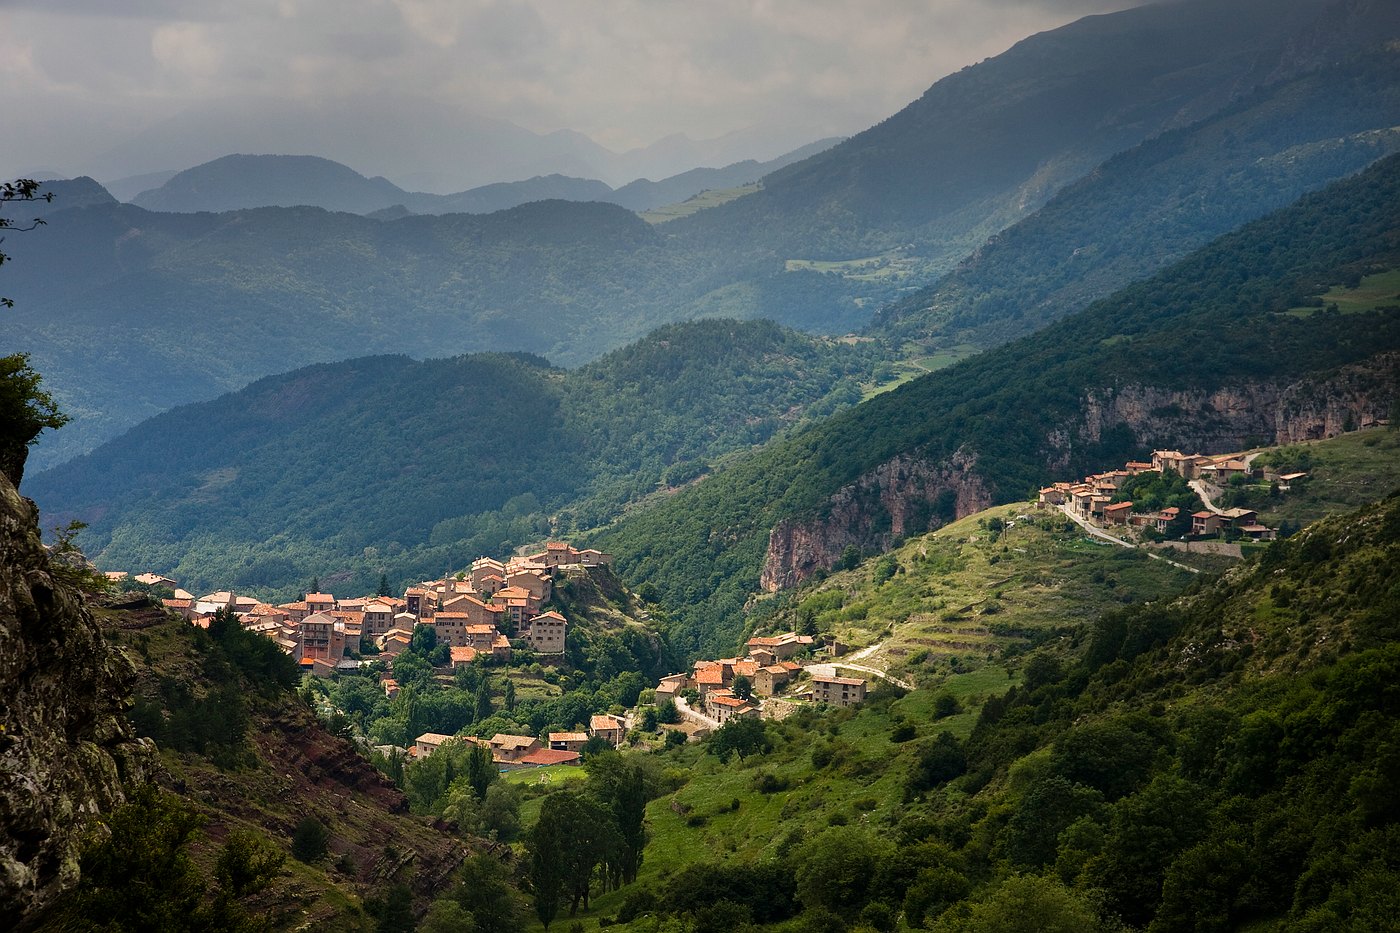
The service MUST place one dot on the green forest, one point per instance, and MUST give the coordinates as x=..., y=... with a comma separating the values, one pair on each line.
x=1212, y=320
x=379, y=465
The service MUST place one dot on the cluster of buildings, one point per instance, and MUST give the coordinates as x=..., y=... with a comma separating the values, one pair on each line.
x=1092, y=499
x=510, y=752
x=771, y=664
x=475, y=613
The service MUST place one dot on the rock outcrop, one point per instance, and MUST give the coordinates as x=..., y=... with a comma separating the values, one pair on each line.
x=912, y=495
x=903, y=496
x=66, y=750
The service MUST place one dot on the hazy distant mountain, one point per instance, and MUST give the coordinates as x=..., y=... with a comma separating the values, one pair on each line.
x=124, y=189
x=988, y=145
x=235, y=182
x=420, y=144
x=238, y=181
x=643, y=194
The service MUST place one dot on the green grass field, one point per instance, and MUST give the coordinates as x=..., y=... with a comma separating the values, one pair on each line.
x=700, y=202
x=1375, y=291
x=888, y=266
x=960, y=595
x=913, y=368
x=1344, y=473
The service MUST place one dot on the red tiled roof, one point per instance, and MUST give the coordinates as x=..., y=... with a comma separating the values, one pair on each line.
x=549, y=756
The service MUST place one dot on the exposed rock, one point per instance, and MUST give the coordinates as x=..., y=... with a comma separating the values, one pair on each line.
x=1242, y=415
x=66, y=750
x=903, y=496
x=909, y=495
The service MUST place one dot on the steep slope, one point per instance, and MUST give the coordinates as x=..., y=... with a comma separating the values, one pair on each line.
x=1198, y=356
x=1148, y=207
x=1215, y=761
x=242, y=749
x=66, y=752
x=384, y=464
x=986, y=146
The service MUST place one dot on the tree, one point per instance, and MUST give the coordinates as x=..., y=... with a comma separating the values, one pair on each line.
x=835, y=869
x=508, y=700
x=247, y=863
x=309, y=840
x=667, y=713
x=742, y=737
x=483, y=700
x=25, y=411
x=742, y=687
x=481, y=770
x=21, y=189
x=572, y=837
x=383, y=589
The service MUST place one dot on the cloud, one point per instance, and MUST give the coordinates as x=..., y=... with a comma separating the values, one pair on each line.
x=625, y=72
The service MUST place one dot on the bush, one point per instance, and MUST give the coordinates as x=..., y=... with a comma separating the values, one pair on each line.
x=309, y=841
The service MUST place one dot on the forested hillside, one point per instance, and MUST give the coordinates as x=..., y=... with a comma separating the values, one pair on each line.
x=1219, y=761
x=1147, y=207
x=384, y=464
x=1201, y=354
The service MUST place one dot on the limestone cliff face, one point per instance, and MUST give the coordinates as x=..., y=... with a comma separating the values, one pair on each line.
x=1243, y=414
x=904, y=496
x=66, y=750
x=911, y=494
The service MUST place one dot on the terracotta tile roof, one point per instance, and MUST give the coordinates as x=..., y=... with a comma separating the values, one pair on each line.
x=710, y=675
x=568, y=736
x=719, y=700
x=847, y=681
x=550, y=616
x=463, y=655
x=597, y=723
x=549, y=756
x=1118, y=507
x=503, y=740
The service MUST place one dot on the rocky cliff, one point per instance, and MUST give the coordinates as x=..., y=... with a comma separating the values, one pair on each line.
x=66, y=750
x=903, y=496
x=911, y=495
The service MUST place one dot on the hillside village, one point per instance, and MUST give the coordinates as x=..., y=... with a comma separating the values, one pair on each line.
x=1097, y=500
x=494, y=609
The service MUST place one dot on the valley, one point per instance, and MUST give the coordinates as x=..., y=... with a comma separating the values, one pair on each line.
x=985, y=521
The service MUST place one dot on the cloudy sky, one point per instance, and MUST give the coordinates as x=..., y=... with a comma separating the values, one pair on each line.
x=79, y=82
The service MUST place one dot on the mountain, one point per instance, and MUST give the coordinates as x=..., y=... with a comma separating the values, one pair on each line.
x=988, y=145
x=643, y=194
x=825, y=242
x=240, y=181
x=124, y=189
x=384, y=464
x=422, y=144
x=1202, y=355
x=1147, y=207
